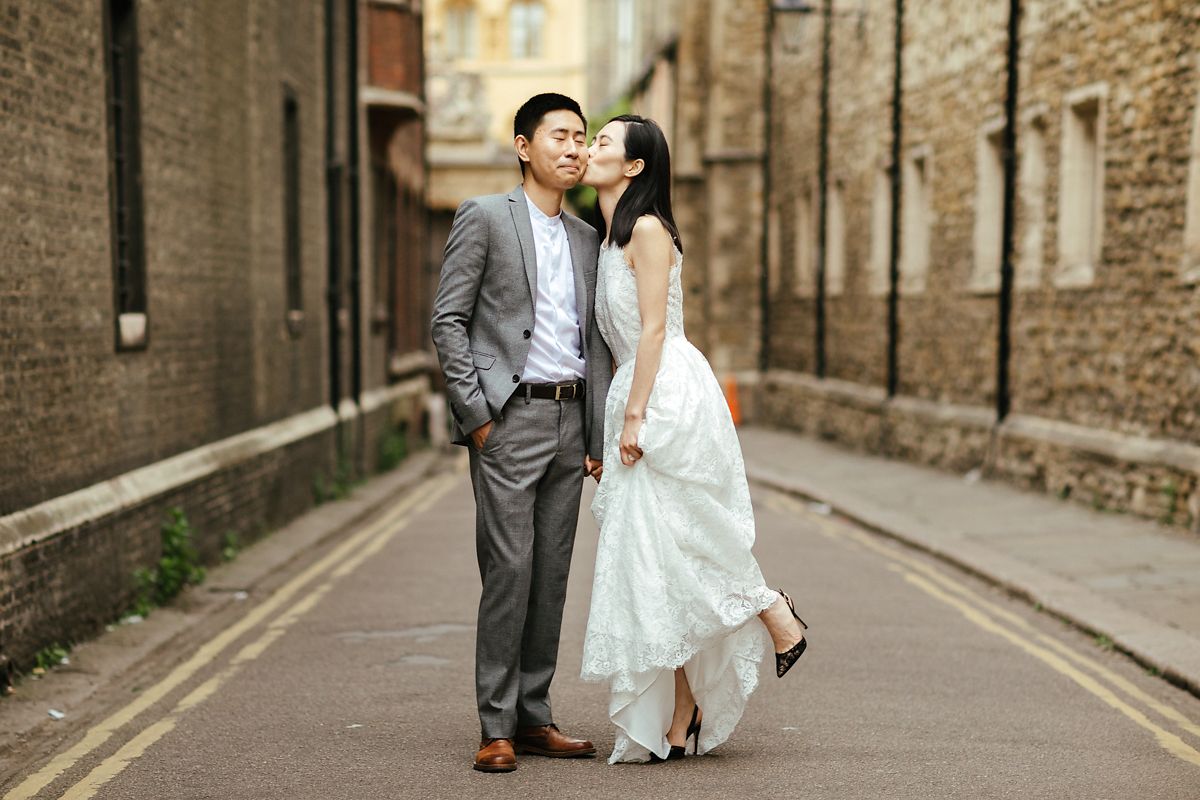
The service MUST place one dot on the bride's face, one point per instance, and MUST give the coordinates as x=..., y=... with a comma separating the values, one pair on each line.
x=606, y=157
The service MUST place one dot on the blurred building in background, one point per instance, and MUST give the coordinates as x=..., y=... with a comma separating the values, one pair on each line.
x=696, y=68
x=631, y=56
x=927, y=231
x=485, y=58
x=213, y=293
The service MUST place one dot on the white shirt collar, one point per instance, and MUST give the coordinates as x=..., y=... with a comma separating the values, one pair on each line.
x=536, y=213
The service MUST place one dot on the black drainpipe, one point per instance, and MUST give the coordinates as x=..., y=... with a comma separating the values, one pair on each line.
x=823, y=182
x=893, y=352
x=353, y=188
x=764, y=277
x=333, y=217
x=1004, y=345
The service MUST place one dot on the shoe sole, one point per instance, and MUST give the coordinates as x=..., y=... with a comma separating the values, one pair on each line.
x=494, y=767
x=553, y=754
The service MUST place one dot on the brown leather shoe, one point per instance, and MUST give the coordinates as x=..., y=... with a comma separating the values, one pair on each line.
x=495, y=755
x=548, y=740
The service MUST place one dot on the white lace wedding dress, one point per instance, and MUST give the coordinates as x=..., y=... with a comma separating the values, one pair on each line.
x=675, y=584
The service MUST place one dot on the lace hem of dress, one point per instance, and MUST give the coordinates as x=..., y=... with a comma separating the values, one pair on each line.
x=618, y=660
x=724, y=703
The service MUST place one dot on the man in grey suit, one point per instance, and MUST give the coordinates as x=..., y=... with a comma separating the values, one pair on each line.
x=527, y=375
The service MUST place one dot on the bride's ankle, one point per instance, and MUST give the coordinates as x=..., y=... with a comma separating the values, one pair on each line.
x=681, y=720
x=781, y=625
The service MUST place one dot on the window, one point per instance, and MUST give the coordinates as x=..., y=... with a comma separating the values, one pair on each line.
x=1033, y=201
x=881, y=233
x=461, y=32
x=526, y=19
x=914, y=243
x=989, y=208
x=835, y=240
x=1081, y=196
x=291, y=207
x=1191, y=228
x=386, y=234
x=805, y=278
x=129, y=251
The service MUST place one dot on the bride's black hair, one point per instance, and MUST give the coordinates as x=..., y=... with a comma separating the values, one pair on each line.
x=650, y=190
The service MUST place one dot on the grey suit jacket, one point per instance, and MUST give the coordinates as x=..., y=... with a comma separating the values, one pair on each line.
x=484, y=310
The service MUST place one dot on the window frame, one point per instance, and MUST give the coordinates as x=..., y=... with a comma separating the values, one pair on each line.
x=126, y=200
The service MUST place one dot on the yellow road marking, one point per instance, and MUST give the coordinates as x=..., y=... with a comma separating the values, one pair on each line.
x=1121, y=683
x=1169, y=741
x=102, y=732
x=849, y=535
x=116, y=763
x=1116, y=680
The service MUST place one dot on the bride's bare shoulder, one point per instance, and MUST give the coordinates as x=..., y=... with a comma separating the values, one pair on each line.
x=649, y=229
x=650, y=238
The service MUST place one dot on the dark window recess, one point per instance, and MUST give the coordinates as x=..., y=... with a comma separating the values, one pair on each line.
x=386, y=251
x=129, y=251
x=291, y=199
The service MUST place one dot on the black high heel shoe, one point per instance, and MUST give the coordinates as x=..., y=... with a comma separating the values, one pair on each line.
x=784, y=661
x=679, y=751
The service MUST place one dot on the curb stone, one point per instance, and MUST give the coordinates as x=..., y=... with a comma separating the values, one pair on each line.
x=1173, y=654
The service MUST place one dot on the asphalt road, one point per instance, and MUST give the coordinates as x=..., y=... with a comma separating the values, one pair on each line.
x=353, y=678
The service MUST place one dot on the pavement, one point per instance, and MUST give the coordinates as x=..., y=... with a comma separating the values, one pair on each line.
x=1131, y=581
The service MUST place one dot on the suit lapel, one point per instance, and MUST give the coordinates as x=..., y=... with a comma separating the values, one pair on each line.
x=520, y=216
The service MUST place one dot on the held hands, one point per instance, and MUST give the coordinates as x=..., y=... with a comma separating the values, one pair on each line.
x=630, y=452
x=480, y=435
x=593, y=467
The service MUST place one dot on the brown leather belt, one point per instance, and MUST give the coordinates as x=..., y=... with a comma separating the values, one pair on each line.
x=552, y=391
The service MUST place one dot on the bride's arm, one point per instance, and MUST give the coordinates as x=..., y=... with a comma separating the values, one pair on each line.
x=651, y=256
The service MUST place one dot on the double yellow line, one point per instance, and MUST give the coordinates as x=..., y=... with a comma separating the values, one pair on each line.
x=1112, y=689
x=338, y=563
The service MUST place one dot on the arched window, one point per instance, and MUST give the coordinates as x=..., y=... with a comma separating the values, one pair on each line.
x=461, y=39
x=526, y=23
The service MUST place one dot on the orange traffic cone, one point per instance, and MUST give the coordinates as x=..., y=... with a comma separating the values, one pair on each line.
x=731, y=397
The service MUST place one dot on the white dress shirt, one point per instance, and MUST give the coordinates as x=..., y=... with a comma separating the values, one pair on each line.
x=555, y=355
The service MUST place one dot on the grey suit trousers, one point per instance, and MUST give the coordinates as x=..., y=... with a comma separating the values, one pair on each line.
x=527, y=480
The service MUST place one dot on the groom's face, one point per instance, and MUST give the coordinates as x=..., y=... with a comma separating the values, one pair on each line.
x=557, y=155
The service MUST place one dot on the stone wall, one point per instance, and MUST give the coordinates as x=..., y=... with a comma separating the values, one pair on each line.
x=1119, y=353
x=1104, y=383
x=794, y=166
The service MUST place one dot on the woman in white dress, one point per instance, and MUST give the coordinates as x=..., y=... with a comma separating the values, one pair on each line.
x=677, y=599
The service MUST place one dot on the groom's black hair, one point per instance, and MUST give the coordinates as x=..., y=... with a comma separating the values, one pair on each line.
x=530, y=114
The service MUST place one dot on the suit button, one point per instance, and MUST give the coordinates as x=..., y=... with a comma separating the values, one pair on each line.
x=516, y=378
x=527, y=334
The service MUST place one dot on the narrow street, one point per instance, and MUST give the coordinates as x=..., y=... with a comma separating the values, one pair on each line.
x=352, y=678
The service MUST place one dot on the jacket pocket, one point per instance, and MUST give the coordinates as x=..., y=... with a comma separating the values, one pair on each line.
x=482, y=360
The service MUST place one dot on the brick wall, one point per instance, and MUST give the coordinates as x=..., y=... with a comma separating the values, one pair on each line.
x=66, y=588
x=221, y=359
x=394, y=50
